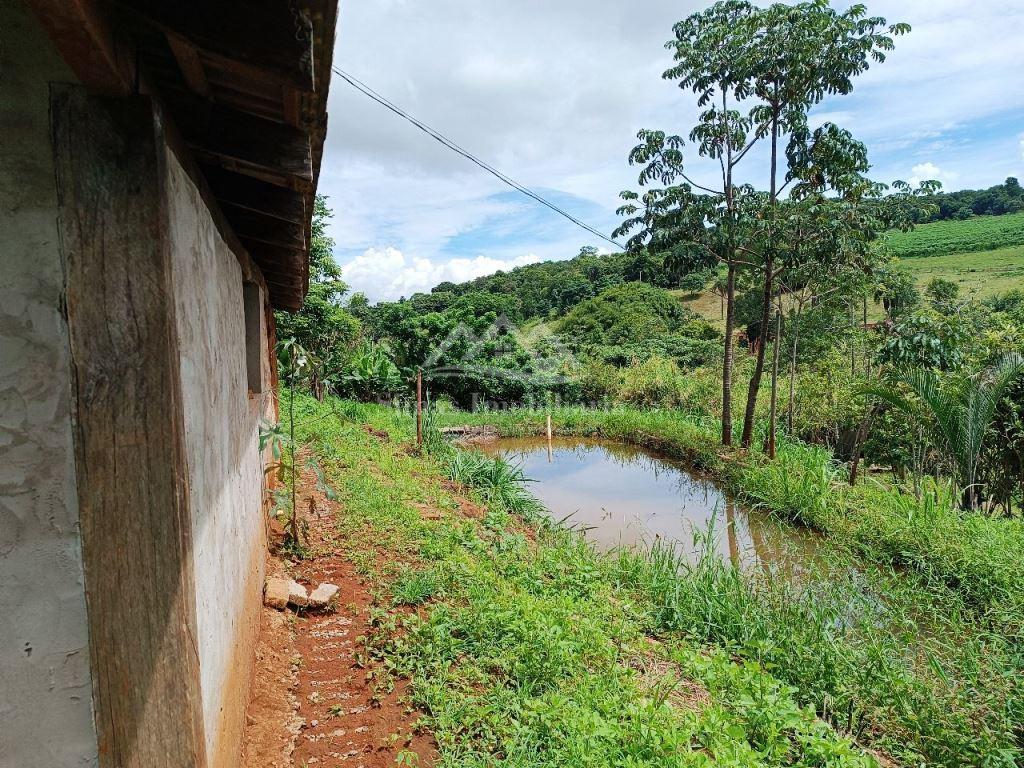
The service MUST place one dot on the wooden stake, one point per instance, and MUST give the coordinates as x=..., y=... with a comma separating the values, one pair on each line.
x=419, y=407
x=549, y=439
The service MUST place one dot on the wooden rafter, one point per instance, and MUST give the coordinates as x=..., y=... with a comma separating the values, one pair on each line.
x=245, y=143
x=82, y=33
x=241, y=191
x=269, y=37
x=191, y=64
x=257, y=227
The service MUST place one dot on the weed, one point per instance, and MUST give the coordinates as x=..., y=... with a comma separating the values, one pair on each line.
x=414, y=587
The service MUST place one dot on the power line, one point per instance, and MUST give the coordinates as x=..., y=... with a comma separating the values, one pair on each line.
x=438, y=136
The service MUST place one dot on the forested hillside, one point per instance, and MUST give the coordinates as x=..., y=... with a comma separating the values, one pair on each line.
x=997, y=200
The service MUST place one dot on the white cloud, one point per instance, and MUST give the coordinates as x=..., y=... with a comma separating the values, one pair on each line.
x=1022, y=146
x=931, y=172
x=387, y=274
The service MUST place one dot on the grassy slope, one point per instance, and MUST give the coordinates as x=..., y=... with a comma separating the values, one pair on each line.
x=528, y=647
x=979, y=275
x=983, y=233
x=532, y=647
x=984, y=256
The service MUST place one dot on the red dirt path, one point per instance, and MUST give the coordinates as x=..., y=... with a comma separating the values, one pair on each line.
x=314, y=701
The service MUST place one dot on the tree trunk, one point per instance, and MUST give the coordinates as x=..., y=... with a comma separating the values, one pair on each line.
x=762, y=343
x=858, y=441
x=766, y=304
x=791, y=407
x=853, y=341
x=727, y=364
x=773, y=408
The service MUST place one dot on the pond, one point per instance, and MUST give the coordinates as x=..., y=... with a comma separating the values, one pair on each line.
x=622, y=495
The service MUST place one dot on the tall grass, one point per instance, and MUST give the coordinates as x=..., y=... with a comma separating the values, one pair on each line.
x=854, y=651
x=973, y=555
x=498, y=482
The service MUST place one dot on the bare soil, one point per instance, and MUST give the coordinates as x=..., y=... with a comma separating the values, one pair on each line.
x=318, y=700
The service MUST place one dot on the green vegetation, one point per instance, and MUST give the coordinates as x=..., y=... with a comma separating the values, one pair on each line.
x=974, y=554
x=986, y=233
x=636, y=321
x=997, y=200
x=879, y=402
x=980, y=275
x=531, y=647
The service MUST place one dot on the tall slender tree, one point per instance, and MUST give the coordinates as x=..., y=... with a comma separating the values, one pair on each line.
x=756, y=73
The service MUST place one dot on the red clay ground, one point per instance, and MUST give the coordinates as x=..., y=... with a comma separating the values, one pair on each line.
x=314, y=700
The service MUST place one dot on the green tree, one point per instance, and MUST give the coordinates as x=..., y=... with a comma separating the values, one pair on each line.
x=943, y=294
x=776, y=63
x=322, y=326
x=896, y=290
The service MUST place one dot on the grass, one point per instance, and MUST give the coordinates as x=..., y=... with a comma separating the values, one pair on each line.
x=976, y=555
x=530, y=648
x=979, y=275
x=527, y=647
x=982, y=233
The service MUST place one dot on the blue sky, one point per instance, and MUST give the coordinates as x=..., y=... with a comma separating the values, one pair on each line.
x=553, y=94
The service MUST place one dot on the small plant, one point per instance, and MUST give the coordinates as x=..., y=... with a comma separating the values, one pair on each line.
x=414, y=587
x=497, y=481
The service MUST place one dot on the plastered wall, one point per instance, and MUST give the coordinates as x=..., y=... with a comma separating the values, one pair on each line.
x=224, y=465
x=45, y=690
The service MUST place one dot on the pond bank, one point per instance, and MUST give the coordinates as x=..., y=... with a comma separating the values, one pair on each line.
x=623, y=495
x=973, y=555
x=522, y=642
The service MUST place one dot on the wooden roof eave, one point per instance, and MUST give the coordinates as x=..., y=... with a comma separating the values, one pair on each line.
x=246, y=84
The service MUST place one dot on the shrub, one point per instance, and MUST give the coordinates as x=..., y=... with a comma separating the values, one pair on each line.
x=655, y=383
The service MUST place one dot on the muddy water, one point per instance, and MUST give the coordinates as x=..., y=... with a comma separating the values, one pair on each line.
x=623, y=495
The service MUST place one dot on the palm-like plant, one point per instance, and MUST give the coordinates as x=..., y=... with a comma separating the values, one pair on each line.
x=958, y=412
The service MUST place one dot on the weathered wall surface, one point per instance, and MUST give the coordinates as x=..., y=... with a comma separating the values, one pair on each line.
x=224, y=464
x=45, y=690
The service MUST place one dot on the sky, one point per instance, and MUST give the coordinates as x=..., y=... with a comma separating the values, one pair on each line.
x=553, y=93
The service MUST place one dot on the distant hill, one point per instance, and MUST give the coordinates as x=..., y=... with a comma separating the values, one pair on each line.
x=984, y=254
x=997, y=200
x=547, y=289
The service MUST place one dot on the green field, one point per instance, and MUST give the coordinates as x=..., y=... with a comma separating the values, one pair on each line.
x=984, y=256
x=979, y=275
x=984, y=233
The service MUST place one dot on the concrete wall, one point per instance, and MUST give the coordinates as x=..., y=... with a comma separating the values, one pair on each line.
x=224, y=465
x=45, y=689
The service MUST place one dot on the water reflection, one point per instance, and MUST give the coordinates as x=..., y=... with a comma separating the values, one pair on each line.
x=622, y=495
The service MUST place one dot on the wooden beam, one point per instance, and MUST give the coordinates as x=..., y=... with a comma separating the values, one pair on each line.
x=251, y=226
x=239, y=141
x=82, y=33
x=190, y=64
x=271, y=39
x=242, y=191
x=130, y=456
x=272, y=257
